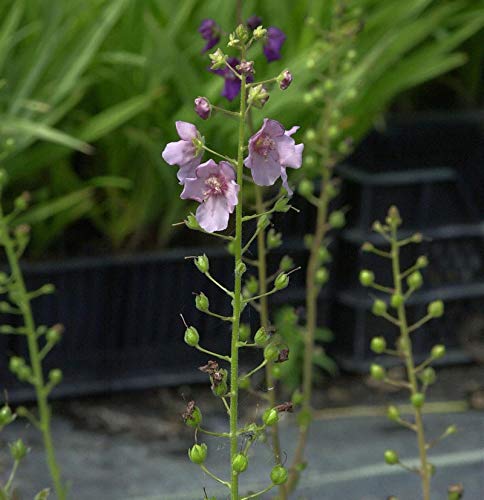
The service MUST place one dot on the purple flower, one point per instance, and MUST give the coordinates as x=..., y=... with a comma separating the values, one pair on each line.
x=210, y=31
x=214, y=187
x=184, y=153
x=285, y=79
x=253, y=22
x=271, y=150
x=202, y=108
x=232, y=83
x=274, y=42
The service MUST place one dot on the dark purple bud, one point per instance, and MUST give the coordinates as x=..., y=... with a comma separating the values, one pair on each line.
x=202, y=108
x=210, y=32
x=273, y=45
x=246, y=68
x=232, y=83
x=285, y=79
x=253, y=22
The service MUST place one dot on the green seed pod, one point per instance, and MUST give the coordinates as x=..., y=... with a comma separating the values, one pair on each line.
x=367, y=278
x=436, y=309
x=261, y=337
x=6, y=415
x=415, y=280
x=322, y=276
x=377, y=372
x=306, y=188
x=379, y=307
x=274, y=239
x=422, y=261
x=18, y=450
x=337, y=219
x=391, y=457
x=278, y=475
x=270, y=416
x=297, y=397
x=244, y=383
x=271, y=352
x=324, y=255
x=16, y=363
x=276, y=371
x=417, y=400
x=332, y=190
x=192, y=223
x=240, y=463
x=396, y=300
x=201, y=302
x=393, y=413
x=282, y=281
x=428, y=376
x=252, y=285
x=54, y=334
x=55, y=376
x=263, y=221
x=452, y=429
x=286, y=263
x=24, y=373
x=438, y=351
x=244, y=332
x=195, y=418
x=240, y=268
x=220, y=389
x=202, y=263
x=378, y=345
x=191, y=336
x=282, y=205
x=198, y=453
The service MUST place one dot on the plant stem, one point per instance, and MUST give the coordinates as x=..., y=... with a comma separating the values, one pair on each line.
x=265, y=323
x=410, y=365
x=34, y=355
x=237, y=300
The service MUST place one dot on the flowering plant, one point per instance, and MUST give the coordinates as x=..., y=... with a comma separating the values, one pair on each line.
x=219, y=190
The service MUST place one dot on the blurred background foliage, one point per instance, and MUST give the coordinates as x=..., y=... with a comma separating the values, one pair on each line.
x=90, y=90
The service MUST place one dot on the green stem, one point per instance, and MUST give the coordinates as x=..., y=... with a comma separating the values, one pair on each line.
x=237, y=300
x=410, y=365
x=12, y=476
x=34, y=355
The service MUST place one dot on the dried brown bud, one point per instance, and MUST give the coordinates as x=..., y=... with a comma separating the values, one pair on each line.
x=283, y=356
x=287, y=406
x=188, y=410
x=211, y=367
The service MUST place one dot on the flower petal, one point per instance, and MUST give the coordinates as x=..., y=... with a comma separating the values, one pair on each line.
x=207, y=168
x=272, y=128
x=213, y=214
x=188, y=171
x=232, y=195
x=227, y=170
x=265, y=171
x=186, y=131
x=292, y=130
x=231, y=88
x=290, y=155
x=178, y=153
x=193, y=190
x=284, y=181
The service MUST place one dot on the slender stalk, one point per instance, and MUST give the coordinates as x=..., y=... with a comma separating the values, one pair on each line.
x=410, y=365
x=265, y=323
x=237, y=301
x=35, y=360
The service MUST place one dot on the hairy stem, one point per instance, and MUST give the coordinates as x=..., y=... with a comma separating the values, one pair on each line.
x=406, y=343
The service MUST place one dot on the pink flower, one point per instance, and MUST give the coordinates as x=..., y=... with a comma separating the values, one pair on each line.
x=217, y=192
x=184, y=153
x=271, y=150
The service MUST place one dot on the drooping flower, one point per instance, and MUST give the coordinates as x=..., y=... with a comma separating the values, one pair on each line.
x=214, y=187
x=271, y=151
x=275, y=40
x=210, y=32
x=185, y=152
x=253, y=22
x=202, y=108
x=232, y=83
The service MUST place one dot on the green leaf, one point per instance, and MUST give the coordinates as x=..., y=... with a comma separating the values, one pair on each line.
x=42, y=495
x=326, y=363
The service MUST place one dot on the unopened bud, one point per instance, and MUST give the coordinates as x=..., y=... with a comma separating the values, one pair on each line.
x=191, y=336
x=203, y=108
x=202, y=263
x=239, y=463
x=201, y=302
x=282, y=281
x=198, y=453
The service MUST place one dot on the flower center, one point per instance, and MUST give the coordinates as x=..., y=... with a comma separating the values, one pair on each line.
x=264, y=145
x=216, y=185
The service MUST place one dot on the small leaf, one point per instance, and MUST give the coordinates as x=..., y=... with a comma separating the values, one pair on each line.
x=42, y=495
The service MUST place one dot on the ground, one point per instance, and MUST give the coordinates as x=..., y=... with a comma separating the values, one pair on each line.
x=133, y=446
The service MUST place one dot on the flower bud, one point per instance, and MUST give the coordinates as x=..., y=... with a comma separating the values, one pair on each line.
x=24, y=373
x=259, y=33
x=422, y=261
x=282, y=281
x=278, y=475
x=415, y=280
x=192, y=223
x=191, y=336
x=282, y=205
x=297, y=397
x=274, y=239
x=240, y=268
x=22, y=202
x=438, y=351
x=417, y=238
x=220, y=389
x=393, y=217
x=240, y=463
x=202, y=263
x=367, y=277
x=198, y=453
x=203, y=108
x=452, y=429
x=218, y=59
x=194, y=418
x=18, y=450
x=244, y=332
x=257, y=96
x=391, y=457
x=377, y=371
x=378, y=345
x=263, y=221
x=201, y=302
x=244, y=383
x=322, y=276
x=455, y=492
x=261, y=337
x=428, y=376
x=396, y=300
x=324, y=255
x=417, y=400
x=306, y=188
x=252, y=285
x=333, y=131
x=284, y=79
x=286, y=263
x=246, y=68
x=271, y=352
x=379, y=307
x=435, y=309
x=270, y=416
x=54, y=334
x=393, y=413
x=15, y=363
x=337, y=219
x=6, y=415
x=55, y=376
